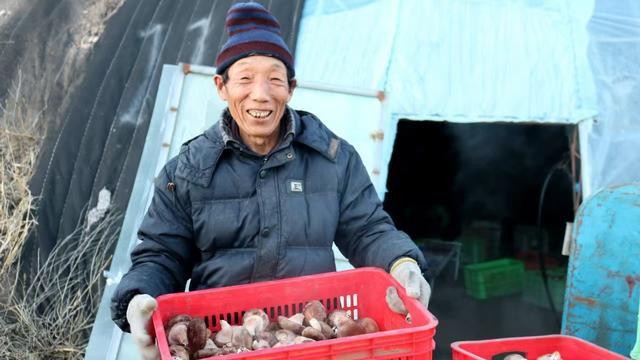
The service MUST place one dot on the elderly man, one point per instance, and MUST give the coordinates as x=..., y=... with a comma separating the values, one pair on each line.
x=261, y=195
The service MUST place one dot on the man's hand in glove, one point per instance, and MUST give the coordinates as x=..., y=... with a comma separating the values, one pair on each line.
x=139, y=312
x=406, y=271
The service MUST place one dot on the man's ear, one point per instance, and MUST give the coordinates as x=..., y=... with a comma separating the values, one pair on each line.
x=221, y=87
x=292, y=87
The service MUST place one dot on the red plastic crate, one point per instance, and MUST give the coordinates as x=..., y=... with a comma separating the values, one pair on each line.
x=362, y=291
x=570, y=348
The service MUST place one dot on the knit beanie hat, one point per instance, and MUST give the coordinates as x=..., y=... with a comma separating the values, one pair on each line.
x=252, y=30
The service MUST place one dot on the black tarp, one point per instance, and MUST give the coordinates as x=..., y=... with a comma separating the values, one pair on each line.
x=102, y=134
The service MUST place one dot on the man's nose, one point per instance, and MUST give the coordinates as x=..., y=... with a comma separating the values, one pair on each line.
x=260, y=91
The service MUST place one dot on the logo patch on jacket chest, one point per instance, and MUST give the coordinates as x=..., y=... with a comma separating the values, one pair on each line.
x=295, y=186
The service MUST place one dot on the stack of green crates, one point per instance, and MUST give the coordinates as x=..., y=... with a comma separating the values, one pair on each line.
x=474, y=249
x=480, y=242
x=493, y=278
x=535, y=293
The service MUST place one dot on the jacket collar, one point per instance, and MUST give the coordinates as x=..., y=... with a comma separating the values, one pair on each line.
x=198, y=157
x=230, y=133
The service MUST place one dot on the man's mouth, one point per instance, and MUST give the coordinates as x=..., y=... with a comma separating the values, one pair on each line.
x=259, y=114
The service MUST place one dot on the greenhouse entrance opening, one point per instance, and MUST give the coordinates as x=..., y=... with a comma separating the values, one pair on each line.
x=469, y=195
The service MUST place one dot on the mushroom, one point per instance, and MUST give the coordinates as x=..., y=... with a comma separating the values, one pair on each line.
x=285, y=336
x=178, y=352
x=302, y=339
x=233, y=335
x=312, y=333
x=255, y=320
x=314, y=310
x=209, y=345
x=205, y=353
x=368, y=324
x=273, y=326
x=291, y=324
x=197, y=334
x=225, y=335
x=337, y=317
x=298, y=318
x=267, y=336
x=349, y=328
x=178, y=334
x=242, y=338
x=260, y=344
x=326, y=330
x=178, y=319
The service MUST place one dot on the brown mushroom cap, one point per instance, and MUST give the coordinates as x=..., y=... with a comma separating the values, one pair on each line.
x=273, y=326
x=178, y=334
x=197, y=334
x=368, y=324
x=337, y=317
x=288, y=324
x=256, y=312
x=314, y=310
x=241, y=337
x=326, y=330
x=177, y=319
x=254, y=324
x=312, y=333
x=269, y=337
x=349, y=328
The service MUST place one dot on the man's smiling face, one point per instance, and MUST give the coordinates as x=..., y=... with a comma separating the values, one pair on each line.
x=257, y=92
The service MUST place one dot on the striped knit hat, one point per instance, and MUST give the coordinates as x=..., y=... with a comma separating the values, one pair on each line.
x=252, y=30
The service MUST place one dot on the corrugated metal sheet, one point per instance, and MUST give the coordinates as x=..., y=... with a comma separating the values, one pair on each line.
x=103, y=132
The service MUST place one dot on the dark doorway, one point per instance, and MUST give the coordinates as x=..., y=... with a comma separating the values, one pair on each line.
x=449, y=180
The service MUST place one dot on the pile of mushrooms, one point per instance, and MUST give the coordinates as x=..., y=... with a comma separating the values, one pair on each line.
x=189, y=338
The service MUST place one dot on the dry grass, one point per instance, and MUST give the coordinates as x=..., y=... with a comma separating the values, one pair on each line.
x=48, y=311
x=20, y=138
x=50, y=316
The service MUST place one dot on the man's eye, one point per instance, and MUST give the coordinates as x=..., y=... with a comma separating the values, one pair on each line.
x=276, y=79
x=244, y=78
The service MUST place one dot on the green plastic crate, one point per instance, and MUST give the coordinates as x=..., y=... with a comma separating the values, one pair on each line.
x=480, y=242
x=474, y=249
x=533, y=291
x=493, y=278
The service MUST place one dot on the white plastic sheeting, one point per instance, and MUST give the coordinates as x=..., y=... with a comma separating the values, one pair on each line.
x=611, y=144
x=454, y=60
x=346, y=43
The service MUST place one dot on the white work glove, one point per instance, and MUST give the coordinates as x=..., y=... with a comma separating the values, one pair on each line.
x=139, y=312
x=406, y=271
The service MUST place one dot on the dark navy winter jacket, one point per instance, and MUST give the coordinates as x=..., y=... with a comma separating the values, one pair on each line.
x=223, y=215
